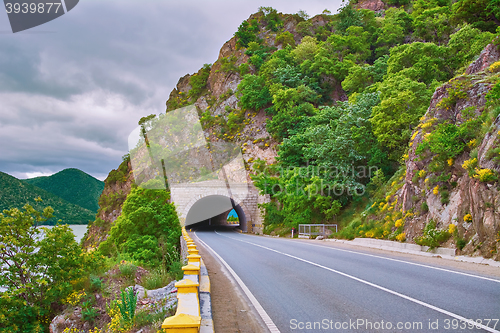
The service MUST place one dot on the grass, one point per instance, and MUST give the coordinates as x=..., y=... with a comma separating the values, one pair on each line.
x=145, y=318
x=156, y=278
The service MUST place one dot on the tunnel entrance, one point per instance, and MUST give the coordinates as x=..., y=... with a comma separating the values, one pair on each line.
x=213, y=212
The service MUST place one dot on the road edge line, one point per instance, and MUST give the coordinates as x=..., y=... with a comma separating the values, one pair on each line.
x=260, y=310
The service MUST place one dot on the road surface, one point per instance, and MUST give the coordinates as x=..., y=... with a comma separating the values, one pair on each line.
x=303, y=287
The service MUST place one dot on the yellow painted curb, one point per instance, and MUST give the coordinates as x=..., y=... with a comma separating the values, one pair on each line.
x=181, y=323
x=193, y=258
x=187, y=286
x=191, y=270
x=193, y=251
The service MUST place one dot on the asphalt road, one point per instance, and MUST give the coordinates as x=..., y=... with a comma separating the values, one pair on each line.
x=303, y=287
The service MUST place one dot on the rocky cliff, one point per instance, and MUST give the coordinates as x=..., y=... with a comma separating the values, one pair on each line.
x=116, y=188
x=463, y=190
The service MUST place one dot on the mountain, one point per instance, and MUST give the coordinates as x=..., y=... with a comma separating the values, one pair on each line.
x=387, y=112
x=72, y=185
x=15, y=193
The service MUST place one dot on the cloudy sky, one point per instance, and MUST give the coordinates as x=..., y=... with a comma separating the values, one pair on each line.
x=72, y=90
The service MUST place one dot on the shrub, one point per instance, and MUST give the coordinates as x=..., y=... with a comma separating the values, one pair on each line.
x=89, y=313
x=127, y=270
x=285, y=39
x=495, y=67
x=128, y=305
x=432, y=237
x=253, y=93
x=156, y=279
x=95, y=283
x=445, y=197
x=485, y=175
x=247, y=33
x=198, y=82
x=470, y=166
x=461, y=242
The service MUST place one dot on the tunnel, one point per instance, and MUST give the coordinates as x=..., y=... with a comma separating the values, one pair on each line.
x=212, y=212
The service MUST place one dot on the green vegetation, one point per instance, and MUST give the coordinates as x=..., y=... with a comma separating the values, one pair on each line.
x=15, y=193
x=432, y=236
x=39, y=269
x=128, y=305
x=147, y=231
x=389, y=64
x=74, y=186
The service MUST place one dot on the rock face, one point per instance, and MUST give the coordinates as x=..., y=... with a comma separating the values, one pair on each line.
x=375, y=5
x=474, y=205
x=110, y=207
x=489, y=55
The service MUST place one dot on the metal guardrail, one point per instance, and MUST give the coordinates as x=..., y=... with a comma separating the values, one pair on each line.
x=308, y=230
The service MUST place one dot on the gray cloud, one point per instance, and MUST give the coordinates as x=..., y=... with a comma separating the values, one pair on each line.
x=73, y=89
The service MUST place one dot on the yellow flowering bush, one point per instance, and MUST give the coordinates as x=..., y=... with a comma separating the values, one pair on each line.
x=452, y=228
x=468, y=218
x=495, y=67
x=398, y=223
x=469, y=165
x=436, y=190
x=74, y=298
x=450, y=161
x=401, y=237
x=422, y=173
x=370, y=234
x=485, y=175
x=414, y=135
x=472, y=143
x=428, y=123
x=117, y=325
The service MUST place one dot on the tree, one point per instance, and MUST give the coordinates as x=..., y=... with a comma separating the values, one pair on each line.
x=37, y=266
x=403, y=102
x=307, y=49
x=147, y=230
x=481, y=14
x=422, y=62
x=467, y=43
x=253, y=93
x=433, y=25
x=347, y=17
x=395, y=26
x=247, y=33
x=358, y=79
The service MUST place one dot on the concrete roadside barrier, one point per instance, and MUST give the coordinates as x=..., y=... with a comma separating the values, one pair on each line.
x=194, y=309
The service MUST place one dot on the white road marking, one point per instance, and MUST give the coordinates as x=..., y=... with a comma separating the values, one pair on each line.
x=414, y=300
x=407, y=262
x=263, y=314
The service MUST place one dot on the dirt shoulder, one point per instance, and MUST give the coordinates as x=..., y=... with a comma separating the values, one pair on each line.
x=231, y=310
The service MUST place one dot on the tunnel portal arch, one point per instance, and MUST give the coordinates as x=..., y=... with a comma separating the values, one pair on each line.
x=205, y=208
x=188, y=196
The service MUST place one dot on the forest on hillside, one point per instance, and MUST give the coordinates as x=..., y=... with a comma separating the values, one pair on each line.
x=345, y=97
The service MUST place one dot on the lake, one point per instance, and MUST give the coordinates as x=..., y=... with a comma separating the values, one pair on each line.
x=78, y=229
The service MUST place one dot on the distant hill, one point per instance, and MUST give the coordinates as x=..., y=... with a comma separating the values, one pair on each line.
x=15, y=193
x=74, y=186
